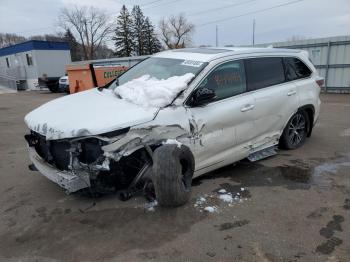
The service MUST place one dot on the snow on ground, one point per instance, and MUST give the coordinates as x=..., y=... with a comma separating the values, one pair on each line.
x=147, y=91
x=211, y=202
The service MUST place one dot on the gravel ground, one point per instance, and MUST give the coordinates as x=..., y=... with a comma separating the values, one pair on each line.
x=294, y=206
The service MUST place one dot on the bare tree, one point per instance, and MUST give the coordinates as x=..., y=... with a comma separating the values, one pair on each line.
x=90, y=26
x=7, y=39
x=176, y=31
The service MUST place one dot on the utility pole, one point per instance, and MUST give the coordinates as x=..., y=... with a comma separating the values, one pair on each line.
x=216, y=37
x=253, y=31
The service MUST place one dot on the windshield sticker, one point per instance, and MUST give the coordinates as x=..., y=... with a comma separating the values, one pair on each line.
x=192, y=63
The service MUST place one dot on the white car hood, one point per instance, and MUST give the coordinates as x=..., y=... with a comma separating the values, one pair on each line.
x=91, y=112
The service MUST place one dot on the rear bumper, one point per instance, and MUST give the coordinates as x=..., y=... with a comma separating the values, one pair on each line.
x=65, y=179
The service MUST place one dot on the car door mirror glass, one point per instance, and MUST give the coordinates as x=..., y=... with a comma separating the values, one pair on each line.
x=203, y=96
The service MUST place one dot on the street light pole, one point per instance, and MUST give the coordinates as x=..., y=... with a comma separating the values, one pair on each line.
x=253, y=31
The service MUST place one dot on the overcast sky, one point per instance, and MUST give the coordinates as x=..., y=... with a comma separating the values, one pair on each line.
x=234, y=18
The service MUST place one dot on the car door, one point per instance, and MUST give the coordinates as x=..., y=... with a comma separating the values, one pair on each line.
x=221, y=128
x=276, y=99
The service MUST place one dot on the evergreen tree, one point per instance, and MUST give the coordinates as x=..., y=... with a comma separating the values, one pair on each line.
x=138, y=30
x=123, y=36
x=152, y=44
x=74, y=46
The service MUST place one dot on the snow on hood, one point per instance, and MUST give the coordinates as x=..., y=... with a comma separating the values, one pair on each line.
x=91, y=112
x=149, y=92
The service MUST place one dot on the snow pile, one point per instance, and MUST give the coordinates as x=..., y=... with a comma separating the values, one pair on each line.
x=149, y=92
x=173, y=142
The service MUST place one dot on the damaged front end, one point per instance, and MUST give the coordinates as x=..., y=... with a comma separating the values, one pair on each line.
x=79, y=163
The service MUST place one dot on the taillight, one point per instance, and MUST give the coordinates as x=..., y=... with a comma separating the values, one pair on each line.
x=320, y=82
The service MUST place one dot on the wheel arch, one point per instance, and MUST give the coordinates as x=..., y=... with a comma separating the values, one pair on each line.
x=310, y=110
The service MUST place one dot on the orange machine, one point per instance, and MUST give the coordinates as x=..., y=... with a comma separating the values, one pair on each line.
x=83, y=76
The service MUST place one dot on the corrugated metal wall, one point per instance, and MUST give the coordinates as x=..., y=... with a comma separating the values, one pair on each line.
x=331, y=57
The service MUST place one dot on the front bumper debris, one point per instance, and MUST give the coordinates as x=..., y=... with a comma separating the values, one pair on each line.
x=67, y=180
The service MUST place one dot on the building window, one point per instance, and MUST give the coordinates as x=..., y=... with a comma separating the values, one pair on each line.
x=7, y=62
x=29, y=59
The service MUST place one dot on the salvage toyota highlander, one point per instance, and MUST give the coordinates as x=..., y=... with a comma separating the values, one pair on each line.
x=175, y=116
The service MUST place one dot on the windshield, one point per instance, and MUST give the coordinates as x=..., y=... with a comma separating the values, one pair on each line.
x=160, y=68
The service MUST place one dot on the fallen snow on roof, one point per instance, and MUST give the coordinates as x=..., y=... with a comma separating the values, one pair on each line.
x=149, y=92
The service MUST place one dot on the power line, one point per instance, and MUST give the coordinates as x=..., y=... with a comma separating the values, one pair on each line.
x=249, y=13
x=219, y=8
x=152, y=2
x=162, y=4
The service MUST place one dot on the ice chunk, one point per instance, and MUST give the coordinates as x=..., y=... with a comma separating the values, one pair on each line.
x=210, y=209
x=222, y=191
x=226, y=198
x=149, y=92
x=150, y=206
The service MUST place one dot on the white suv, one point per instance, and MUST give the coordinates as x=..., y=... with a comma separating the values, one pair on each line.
x=174, y=116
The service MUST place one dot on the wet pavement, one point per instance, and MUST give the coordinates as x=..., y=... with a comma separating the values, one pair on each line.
x=294, y=206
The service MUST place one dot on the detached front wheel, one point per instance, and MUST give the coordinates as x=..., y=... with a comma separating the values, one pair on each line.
x=173, y=168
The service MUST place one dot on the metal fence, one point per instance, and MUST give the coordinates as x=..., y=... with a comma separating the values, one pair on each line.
x=8, y=82
x=331, y=57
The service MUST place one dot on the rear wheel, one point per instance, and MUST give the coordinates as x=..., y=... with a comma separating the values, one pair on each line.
x=295, y=132
x=173, y=169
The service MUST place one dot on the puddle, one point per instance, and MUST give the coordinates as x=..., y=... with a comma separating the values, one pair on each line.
x=299, y=175
x=330, y=167
x=256, y=175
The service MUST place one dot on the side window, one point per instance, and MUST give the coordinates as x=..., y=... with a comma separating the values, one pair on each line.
x=264, y=72
x=226, y=80
x=295, y=69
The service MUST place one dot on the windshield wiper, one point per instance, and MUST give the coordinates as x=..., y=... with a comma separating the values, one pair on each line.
x=100, y=88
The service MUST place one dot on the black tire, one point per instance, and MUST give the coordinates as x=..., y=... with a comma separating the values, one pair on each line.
x=296, y=130
x=173, y=169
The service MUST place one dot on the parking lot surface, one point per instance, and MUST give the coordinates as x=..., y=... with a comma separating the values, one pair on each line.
x=294, y=206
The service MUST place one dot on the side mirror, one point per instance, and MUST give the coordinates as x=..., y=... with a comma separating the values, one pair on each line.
x=203, y=96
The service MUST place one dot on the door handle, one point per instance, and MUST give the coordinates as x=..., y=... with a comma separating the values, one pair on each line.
x=291, y=92
x=247, y=108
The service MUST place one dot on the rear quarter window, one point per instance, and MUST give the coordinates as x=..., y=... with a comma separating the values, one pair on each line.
x=264, y=72
x=295, y=69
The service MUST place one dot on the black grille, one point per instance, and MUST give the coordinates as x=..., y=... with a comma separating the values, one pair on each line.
x=54, y=152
